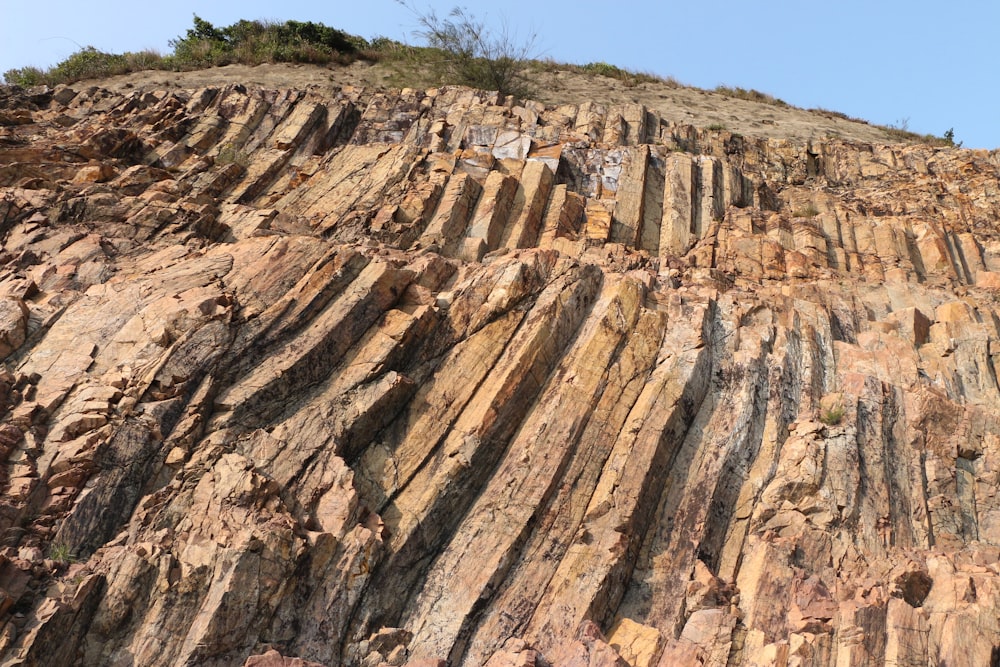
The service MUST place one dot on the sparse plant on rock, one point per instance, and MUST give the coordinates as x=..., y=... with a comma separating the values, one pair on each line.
x=473, y=55
x=232, y=154
x=807, y=211
x=61, y=553
x=626, y=76
x=832, y=414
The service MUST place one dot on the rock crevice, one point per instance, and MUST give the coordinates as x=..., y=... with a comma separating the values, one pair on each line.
x=385, y=377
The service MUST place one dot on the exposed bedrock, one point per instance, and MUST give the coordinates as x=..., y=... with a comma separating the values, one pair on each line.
x=434, y=377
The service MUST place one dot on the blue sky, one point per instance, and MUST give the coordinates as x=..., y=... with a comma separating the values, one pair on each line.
x=929, y=65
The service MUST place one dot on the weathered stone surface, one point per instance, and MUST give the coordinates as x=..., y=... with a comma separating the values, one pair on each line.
x=359, y=377
x=14, y=316
x=638, y=645
x=274, y=659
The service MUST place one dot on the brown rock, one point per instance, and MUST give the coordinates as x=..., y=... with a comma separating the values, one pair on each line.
x=525, y=658
x=589, y=650
x=274, y=659
x=95, y=173
x=437, y=376
x=13, y=325
x=10, y=117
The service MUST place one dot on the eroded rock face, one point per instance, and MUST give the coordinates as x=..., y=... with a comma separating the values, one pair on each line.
x=386, y=378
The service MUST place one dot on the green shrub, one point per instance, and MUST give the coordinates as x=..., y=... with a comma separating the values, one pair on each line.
x=385, y=44
x=255, y=42
x=604, y=69
x=385, y=49
x=24, y=76
x=88, y=63
x=204, y=45
x=202, y=53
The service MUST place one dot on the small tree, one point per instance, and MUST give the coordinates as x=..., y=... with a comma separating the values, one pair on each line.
x=949, y=136
x=474, y=56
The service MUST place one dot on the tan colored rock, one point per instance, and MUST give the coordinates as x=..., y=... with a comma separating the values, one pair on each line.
x=988, y=280
x=529, y=205
x=638, y=645
x=14, y=316
x=524, y=658
x=589, y=649
x=95, y=173
x=274, y=659
x=371, y=377
x=15, y=117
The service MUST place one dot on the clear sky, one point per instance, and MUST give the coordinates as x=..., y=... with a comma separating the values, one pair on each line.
x=927, y=65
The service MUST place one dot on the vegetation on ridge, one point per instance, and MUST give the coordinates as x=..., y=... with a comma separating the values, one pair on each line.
x=460, y=49
x=466, y=51
x=204, y=45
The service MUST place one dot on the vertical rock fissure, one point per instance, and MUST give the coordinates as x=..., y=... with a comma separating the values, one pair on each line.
x=586, y=367
x=524, y=480
x=785, y=403
x=559, y=525
x=652, y=206
x=721, y=447
x=897, y=471
x=449, y=480
x=965, y=483
x=623, y=505
x=271, y=422
x=697, y=214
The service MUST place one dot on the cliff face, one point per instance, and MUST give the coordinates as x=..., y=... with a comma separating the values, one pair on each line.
x=368, y=378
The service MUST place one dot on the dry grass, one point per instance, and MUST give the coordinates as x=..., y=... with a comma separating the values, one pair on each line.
x=832, y=415
x=751, y=95
x=257, y=42
x=808, y=211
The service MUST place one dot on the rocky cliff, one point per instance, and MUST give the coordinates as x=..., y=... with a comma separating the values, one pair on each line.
x=362, y=377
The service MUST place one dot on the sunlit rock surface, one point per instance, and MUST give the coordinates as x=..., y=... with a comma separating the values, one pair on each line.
x=344, y=377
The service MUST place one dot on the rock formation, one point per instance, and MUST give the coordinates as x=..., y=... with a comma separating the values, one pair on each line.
x=366, y=378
